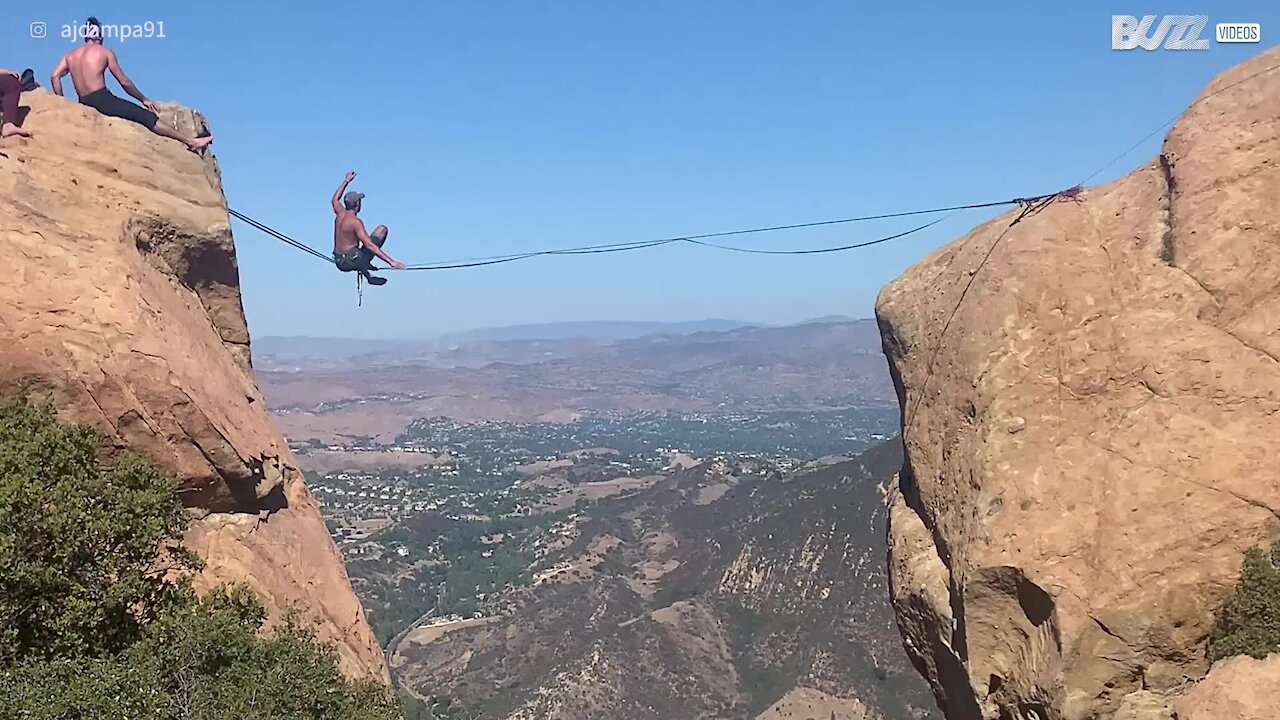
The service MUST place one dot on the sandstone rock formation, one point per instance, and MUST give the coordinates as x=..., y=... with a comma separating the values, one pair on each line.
x=121, y=298
x=1237, y=689
x=1091, y=436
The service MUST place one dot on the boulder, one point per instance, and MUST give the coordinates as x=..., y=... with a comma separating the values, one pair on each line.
x=1240, y=688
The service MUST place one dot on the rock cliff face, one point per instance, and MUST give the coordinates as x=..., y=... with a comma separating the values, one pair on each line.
x=1092, y=444
x=121, y=298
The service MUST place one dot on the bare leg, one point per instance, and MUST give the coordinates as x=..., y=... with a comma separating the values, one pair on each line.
x=11, y=130
x=193, y=144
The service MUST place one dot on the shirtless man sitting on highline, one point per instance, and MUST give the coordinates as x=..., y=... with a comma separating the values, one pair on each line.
x=88, y=65
x=354, y=248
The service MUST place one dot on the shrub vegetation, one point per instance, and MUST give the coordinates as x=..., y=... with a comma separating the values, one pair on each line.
x=1249, y=622
x=98, y=620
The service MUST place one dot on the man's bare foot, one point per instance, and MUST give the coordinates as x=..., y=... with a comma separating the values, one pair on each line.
x=199, y=144
x=11, y=130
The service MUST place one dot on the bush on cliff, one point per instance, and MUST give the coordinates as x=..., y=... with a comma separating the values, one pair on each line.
x=1249, y=622
x=97, y=617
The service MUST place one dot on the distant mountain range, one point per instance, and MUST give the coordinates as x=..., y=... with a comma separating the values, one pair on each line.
x=302, y=349
x=612, y=330
x=374, y=389
x=270, y=348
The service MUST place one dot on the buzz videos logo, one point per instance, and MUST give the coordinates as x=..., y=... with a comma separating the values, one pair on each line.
x=1176, y=32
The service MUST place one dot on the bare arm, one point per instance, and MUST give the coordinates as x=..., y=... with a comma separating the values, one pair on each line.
x=337, y=196
x=58, y=73
x=363, y=236
x=125, y=82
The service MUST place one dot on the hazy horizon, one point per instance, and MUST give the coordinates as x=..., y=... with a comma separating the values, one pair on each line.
x=689, y=326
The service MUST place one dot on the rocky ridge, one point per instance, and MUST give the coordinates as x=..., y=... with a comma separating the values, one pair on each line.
x=122, y=302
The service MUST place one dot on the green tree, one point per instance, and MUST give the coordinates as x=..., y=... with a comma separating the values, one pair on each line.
x=78, y=543
x=1249, y=621
x=97, y=617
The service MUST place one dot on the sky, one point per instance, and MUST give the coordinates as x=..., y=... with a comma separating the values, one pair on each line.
x=488, y=127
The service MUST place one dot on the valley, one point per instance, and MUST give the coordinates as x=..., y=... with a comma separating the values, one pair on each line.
x=719, y=559
x=704, y=595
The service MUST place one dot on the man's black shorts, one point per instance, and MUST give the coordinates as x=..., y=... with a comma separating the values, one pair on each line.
x=107, y=104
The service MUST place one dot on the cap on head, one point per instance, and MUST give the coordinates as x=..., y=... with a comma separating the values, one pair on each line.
x=92, y=29
x=352, y=200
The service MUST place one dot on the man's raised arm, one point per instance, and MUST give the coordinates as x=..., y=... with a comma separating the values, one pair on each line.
x=337, y=196
x=56, y=79
x=127, y=84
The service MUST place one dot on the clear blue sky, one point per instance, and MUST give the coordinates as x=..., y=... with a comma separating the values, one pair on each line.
x=490, y=127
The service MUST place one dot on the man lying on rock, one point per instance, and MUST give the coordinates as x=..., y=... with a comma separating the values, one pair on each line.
x=353, y=247
x=88, y=65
